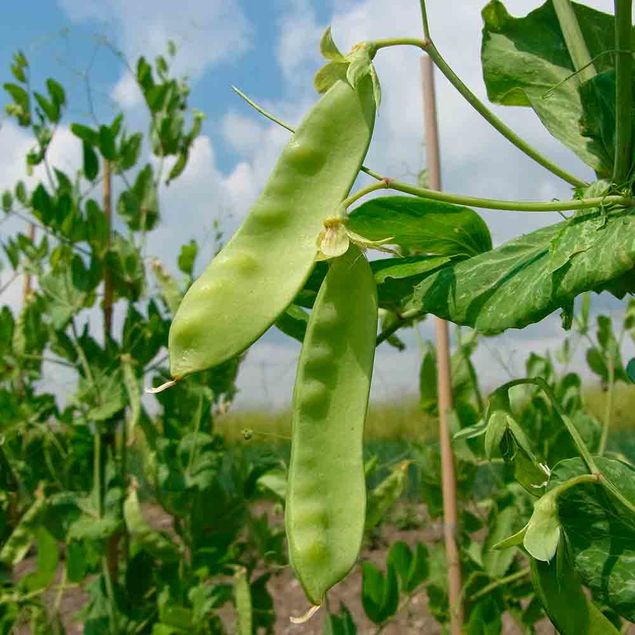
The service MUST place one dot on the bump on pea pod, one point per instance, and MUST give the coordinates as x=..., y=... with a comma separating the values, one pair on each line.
x=265, y=264
x=326, y=494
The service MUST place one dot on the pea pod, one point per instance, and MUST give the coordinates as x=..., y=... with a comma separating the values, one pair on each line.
x=262, y=268
x=326, y=495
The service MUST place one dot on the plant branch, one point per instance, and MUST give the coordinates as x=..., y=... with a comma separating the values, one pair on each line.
x=428, y=46
x=578, y=51
x=512, y=577
x=623, y=90
x=608, y=406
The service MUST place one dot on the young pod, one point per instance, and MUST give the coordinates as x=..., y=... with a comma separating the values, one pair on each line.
x=261, y=269
x=326, y=494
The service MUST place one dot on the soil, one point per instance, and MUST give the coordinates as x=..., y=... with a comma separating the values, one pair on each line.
x=289, y=599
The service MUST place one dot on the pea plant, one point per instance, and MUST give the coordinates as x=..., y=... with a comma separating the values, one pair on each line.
x=104, y=497
x=573, y=66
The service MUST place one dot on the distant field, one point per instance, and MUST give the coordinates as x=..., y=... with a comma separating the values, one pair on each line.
x=402, y=420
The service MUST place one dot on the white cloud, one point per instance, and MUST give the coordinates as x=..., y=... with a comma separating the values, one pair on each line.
x=205, y=32
x=126, y=92
x=296, y=46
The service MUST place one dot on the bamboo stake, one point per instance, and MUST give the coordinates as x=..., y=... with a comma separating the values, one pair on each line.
x=108, y=292
x=444, y=382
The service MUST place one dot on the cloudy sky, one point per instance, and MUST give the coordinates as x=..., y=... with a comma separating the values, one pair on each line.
x=269, y=48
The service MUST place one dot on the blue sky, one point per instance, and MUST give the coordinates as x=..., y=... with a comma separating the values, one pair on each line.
x=269, y=48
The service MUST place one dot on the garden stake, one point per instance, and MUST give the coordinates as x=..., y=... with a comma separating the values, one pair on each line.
x=444, y=381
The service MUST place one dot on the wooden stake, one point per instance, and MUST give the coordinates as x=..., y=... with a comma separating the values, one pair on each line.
x=444, y=379
x=108, y=292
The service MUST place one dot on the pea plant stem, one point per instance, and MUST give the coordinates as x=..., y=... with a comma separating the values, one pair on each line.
x=444, y=376
x=472, y=201
x=578, y=51
x=608, y=407
x=623, y=90
x=512, y=577
x=485, y=112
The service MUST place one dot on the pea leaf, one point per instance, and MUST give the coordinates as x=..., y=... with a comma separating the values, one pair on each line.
x=496, y=562
x=293, y=322
x=600, y=531
x=380, y=593
x=328, y=48
x=328, y=74
x=514, y=284
x=17, y=545
x=340, y=624
x=421, y=226
x=385, y=495
x=526, y=63
x=543, y=530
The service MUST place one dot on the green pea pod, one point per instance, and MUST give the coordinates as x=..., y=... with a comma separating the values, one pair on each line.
x=326, y=494
x=265, y=264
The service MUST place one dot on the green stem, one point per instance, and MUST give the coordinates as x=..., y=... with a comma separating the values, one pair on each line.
x=623, y=90
x=97, y=473
x=512, y=577
x=424, y=19
x=608, y=407
x=576, y=480
x=428, y=46
x=574, y=40
x=373, y=187
x=511, y=206
x=616, y=493
x=402, y=320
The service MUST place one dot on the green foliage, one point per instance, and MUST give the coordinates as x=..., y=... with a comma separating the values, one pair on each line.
x=524, y=280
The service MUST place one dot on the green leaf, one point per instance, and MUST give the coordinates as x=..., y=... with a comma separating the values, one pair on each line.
x=85, y=133
x=143, y=536
x=502, y=523
x=341, y=623
x=139, y=205
x=328, y=75
x=559, y=590
x=91, y=528
x=46, y=562
x=600, y=531
x=170, y=290
x=187, y=258
x=542, y=534
x=91, y=161
x=422, y=226
x=630, y=370
x=50, y=109
x=411, y=567
x=293, y=322
x=56, y=91
x=526, y=63
x=514, y=285
x=359, y=65
x=380, y=593
x=382, y=498
x=497, y=425
x=106, y=142
x=19, y=541
x=328, y=49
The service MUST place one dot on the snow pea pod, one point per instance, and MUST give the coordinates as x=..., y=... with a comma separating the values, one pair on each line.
x=261, y=269
x=326, y=495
